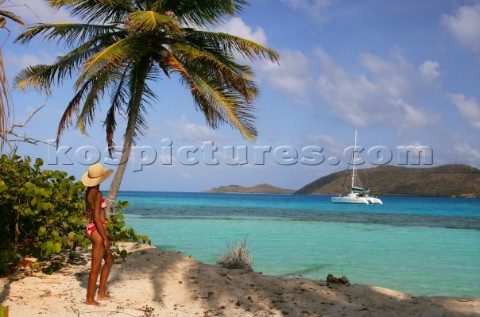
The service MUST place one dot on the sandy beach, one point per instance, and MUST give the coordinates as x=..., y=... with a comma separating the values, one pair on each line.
x=154, y=282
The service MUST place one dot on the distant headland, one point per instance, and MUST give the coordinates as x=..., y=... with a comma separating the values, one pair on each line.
x=452, y=180
x=257, y=189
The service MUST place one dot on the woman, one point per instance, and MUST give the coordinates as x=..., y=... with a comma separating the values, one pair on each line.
x=97, y=233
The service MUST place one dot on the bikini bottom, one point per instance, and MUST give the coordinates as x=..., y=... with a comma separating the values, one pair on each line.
x=91, y=228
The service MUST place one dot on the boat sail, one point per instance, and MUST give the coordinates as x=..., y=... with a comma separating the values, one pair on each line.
x=358, y=195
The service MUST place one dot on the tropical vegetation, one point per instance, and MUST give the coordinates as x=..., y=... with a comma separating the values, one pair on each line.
x=123, y=47
x=43, y=212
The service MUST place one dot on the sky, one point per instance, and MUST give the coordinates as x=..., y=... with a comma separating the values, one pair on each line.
x=405, y=74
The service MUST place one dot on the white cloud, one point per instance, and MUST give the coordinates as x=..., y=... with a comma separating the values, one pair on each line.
x=35, y=11
x=413, y=116
x=466, y=152
x=465, y=26
x=375, y=97
x=315, y=8
x=468, y=108
x=292, y=76
x=25, y=60
x=185, y=131
x=236, y=26
x=330, y=145
x=429, y=70
x=394, y=77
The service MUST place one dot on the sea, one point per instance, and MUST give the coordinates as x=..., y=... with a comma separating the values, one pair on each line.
x=418, y=245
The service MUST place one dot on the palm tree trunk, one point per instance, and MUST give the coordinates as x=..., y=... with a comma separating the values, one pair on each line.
x=134, y=108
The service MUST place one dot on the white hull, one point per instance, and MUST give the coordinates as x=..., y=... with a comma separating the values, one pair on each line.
x=375, y=200
x=353, y=198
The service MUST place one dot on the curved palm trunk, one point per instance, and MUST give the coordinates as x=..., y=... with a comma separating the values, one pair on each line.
x=134, y=106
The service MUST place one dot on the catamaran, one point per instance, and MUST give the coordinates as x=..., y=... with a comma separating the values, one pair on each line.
x=358, y=195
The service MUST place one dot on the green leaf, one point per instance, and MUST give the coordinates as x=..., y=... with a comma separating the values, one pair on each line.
x=42, y=231
x=47, y=173
x=58, y=247
x=29, y=185
x=50, y=248
x=47, y=206
x=123, y=254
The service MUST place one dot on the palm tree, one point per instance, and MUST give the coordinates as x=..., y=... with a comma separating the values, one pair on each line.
x=5, y=99
x=125, y=45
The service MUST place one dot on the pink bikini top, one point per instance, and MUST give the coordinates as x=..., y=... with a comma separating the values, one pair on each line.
x=89, y=211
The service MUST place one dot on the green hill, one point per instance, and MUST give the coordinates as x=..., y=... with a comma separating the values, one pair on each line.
x=257, y=189
x=452, y=180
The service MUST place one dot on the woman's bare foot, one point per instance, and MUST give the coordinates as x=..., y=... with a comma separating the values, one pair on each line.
x=104, y=296
x=94, y=303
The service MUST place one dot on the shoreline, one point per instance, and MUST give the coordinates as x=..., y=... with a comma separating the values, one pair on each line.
x=155, y=282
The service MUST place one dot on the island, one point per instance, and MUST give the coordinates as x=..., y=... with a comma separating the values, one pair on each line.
x=257, y=189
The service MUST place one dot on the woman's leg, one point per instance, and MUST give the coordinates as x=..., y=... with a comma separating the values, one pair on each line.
x=102, y=290
x=97, y=255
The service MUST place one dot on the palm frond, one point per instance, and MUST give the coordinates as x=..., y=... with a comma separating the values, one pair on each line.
x=104, y=11
x=137, y=89
x=42, y=77
x=110, y=125
x=97, y=88
x=12, y=17
x=72, y=108
x=201, y=12
x=38, y=76
x=233, y=75
x=149, y=21
x=217, y=103
x=231, y=44
x=118, y=101
x=111, y=57
x=72, y=33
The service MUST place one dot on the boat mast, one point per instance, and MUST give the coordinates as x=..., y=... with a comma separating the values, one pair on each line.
x=353, y=160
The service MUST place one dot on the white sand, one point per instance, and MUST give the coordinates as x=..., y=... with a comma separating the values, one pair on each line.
x=153, y=282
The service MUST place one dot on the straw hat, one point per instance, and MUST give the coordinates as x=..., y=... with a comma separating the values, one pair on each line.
x=96, y=174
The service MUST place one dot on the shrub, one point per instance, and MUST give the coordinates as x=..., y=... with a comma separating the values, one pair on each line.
x=42, y=212
x=237, y=256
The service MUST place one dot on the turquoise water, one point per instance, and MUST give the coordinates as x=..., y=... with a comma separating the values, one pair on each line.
x=418, y=245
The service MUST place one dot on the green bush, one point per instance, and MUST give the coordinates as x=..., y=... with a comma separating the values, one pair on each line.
x=116, y=226
x=43, y=212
